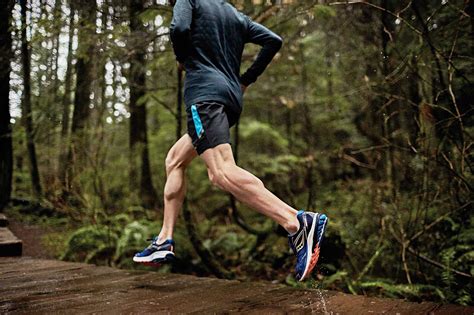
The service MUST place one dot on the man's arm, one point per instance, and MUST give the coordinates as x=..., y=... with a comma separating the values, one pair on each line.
x=271, y=44
x=180, y=28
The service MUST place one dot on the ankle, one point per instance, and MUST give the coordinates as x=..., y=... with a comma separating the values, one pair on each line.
x=292, y=225
x=163, y=237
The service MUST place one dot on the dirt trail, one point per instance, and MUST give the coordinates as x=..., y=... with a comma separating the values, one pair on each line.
x=32, y=236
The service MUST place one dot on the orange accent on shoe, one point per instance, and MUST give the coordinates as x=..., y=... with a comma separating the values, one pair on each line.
x=314, y=260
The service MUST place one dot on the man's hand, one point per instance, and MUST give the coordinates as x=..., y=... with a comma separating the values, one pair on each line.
x=243, y=88
x=180, y=66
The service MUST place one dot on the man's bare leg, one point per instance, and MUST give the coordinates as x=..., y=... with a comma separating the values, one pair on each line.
x=246, y=187
x=178, y=158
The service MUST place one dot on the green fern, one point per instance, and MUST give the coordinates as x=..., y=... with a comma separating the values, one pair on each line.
x=338, y=276
x=447, y=257
x=86, y=240
x=404, y=290
x=100, y=255
x=464, y=298
x=131, y=238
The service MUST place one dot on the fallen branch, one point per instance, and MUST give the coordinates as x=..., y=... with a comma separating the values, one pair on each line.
x=357, y=162
x=437, y=264
x=425, y=258
x=438, y=220
x=371, y=262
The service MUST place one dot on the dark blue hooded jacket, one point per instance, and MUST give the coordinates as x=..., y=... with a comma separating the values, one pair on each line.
x=208, y=38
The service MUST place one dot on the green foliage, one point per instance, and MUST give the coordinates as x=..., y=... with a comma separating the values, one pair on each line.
x=86, y=243
x=111, y=241
x=418, y=291
x=355, y=108
x=324, y=12
x=149, y=15
x=447, y=275
x=263, y=137
x=130, y=238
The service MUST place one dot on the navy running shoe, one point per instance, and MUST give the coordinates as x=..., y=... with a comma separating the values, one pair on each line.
x=156, y=254
x=306, y=242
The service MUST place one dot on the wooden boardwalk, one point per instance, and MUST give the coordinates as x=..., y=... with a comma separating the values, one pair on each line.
x=10, y=245
x=30, y=285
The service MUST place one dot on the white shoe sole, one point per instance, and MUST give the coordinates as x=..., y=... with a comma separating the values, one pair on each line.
x=156, y=255
x=309, y=244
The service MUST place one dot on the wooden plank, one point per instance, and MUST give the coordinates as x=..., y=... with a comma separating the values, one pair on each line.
x=24, y=272
x=47, y=286
x=10, y=245
x=100, y=293
x=31, y=264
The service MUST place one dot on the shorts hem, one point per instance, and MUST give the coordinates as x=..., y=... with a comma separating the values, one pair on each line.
x=202, y=147
x=211, y=98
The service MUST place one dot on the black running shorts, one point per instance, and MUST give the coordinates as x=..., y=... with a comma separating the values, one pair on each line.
x=209, y=123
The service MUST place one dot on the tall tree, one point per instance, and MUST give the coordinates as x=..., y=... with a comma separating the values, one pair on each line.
x=386, y=29
x=66, y=101
x=6, y=150
x=27, y=114
x=56, y=42
x=84, y=72
x=140, y=172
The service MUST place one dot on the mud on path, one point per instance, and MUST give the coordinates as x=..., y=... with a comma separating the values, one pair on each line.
x=48, y=286
x=33, y=238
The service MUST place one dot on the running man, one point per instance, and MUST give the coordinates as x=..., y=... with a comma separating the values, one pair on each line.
x=208, y=38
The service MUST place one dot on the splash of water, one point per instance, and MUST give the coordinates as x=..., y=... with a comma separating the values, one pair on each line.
x=321, y=300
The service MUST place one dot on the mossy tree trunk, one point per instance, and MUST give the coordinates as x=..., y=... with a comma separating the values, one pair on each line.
x=6, y=150
x=66, y=102
x=27, y=113
x=85, y=76
x=141, y=184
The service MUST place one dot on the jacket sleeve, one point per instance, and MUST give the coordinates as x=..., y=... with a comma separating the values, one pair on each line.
x=180, y=29
x=271, y=44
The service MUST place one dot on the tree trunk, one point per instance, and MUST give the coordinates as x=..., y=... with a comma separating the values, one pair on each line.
x=66, y=102
x=310, y=180
x=140, y=173
x=103, y=71
x=6, y=150
x=27, y=114
x=58, y=24
x=84, y=72
x=387, y=118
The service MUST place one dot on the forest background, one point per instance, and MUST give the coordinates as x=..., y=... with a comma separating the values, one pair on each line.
x=365, y=113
